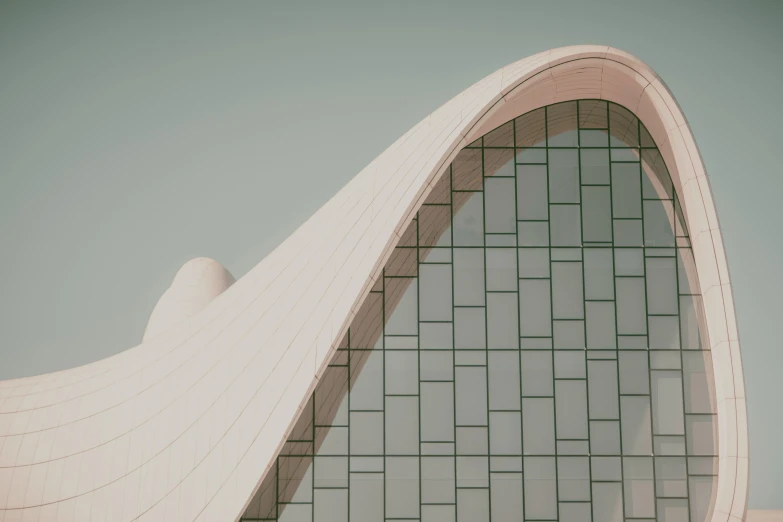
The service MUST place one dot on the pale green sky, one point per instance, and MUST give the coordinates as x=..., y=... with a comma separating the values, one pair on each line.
x=137, y=135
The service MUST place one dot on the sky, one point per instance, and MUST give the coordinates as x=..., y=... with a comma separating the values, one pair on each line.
x=135, y=136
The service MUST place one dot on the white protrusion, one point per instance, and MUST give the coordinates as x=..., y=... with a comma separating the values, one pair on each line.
x=195, y=285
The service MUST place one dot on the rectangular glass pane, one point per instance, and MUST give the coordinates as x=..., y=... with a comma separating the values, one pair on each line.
x=596, y=214
x=532, y=199
x=535, y=314
x=564, y=176
x=538, y=426
x=471, y=396
x=469, y=277
x=566, y=225
x=567, y=291
x=502, y=321
x=500, y=205
x=435, y=292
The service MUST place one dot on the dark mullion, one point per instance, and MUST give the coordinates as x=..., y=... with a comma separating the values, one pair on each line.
x=453, y=336
x=551, y=311
x=486, y=329
x=648, y=315
x=616, y=321
x=584, y=307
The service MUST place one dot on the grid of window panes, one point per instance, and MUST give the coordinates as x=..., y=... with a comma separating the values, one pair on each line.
x=532, y=351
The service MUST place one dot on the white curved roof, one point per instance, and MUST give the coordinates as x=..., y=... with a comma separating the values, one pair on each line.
x=195, y=285
x=184, y=426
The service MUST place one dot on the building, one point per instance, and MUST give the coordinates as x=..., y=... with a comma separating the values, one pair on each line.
x=521, y=310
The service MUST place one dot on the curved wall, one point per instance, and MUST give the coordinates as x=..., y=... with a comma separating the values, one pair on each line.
x=184, y=426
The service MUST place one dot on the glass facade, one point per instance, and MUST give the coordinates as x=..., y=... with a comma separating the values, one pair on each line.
x=532, y=352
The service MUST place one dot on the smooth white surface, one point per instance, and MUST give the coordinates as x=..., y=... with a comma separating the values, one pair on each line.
x=184, y=426
x=195, y=285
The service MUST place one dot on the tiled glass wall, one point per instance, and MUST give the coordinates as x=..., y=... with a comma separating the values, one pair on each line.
x=532, y=352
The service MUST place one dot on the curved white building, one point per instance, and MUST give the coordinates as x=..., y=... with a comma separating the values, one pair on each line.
x=521, y=310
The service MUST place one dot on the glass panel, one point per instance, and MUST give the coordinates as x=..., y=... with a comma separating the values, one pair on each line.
x=604, y=437
x=667, y=402
x=434, y=225
x=564, y=176
x=596, y=214
x=468, y=222
x=566, y=225
x=468, y=276
x=595, y=166
x=562, y=125
x=500, y=206
x=533, y=262
x=593, y=138
x=402, y=425
x=435, y=289
x=437, y=411
x=671, y=477
x=637, y=433
x=405, y=319
x=330, y=505
x=471, y=396
x=467, y=170
x=503, y=136
x=540, y=487
x=533, y=233
x=436, y=336
x=501, y=269
x=437, y=480
x=639, y=487
x=570, y=365
x=571, y=406
x=624, y=127
x=702, y=492
x=537, y=374
x=502, y=321
x=504, y=380
x=499, y=163
x=402, y=487
x=656, y=184
x=629, y=261
x=506, y=497
x=631, y=313
x=532, y=197
x=538, y=426
x=367, y=497
x=505, y=433
x=573, y=478
x=531, y=129
x=607, y=502
x=601, y=334
x=535, y=313
x=592, y=114
x=473, y=504
x=401, y=372
x=626, y=191
x=531, y=156
x=599, y=273
x=602, y=380
x=469, y=328
x=472, y=440
x=502, y=375
x=567, y=288
x=658, y=223
x=437, y=366
x=569, y=335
